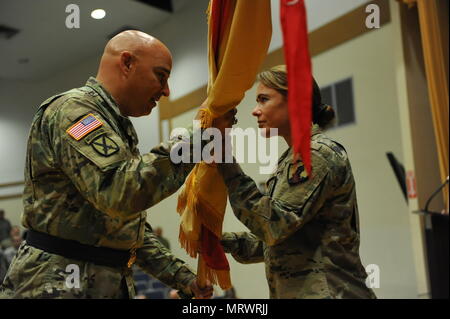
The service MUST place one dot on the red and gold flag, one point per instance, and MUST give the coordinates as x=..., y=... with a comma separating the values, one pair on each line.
x=238, y=38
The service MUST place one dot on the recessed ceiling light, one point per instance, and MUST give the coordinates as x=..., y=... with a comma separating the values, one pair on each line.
x=98, y=14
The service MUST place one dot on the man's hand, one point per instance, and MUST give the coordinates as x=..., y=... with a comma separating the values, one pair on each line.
x=221, y=123
x=227, y=120
x=203, y=106
x=201, y=293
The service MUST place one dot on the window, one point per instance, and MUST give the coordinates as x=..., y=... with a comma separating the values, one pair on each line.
x=340, y=96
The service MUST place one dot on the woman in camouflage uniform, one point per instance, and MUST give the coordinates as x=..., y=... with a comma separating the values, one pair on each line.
x=306, y=228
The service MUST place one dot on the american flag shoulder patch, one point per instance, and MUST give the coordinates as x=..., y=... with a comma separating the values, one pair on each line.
x=84, y=126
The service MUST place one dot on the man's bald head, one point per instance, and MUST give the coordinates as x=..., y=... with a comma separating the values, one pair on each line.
x=134, y=69
x=133, y=41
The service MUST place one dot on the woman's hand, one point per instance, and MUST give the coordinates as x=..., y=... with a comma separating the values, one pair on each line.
x=225, y=121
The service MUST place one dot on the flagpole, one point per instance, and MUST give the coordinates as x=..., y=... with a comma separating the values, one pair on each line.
x=201, y=280
x=201, y=275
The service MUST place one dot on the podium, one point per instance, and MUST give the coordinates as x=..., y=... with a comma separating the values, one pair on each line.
x=437, y=243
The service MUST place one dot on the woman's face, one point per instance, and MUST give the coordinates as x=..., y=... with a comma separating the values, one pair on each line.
x=272, y=111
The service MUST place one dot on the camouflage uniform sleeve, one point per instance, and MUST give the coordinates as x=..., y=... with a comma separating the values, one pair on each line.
x=245, y=247
x=102, y=167
x=155, y=259
x=274, y=220
x=3, y=266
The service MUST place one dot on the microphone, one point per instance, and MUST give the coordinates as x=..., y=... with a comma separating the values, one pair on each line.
x=426, y=210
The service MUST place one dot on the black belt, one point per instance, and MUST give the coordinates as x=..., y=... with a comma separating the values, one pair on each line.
x=74, y=250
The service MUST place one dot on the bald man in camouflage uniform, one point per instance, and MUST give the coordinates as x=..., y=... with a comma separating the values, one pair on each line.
x=306, y=229
x=87, y=186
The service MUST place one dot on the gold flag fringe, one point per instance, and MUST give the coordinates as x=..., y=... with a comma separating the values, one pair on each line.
x=217, y=277
x=196, y=211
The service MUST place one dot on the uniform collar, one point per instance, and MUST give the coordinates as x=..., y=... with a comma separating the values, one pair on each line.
x=112, y=106
x=315, y=130
x=94, y=84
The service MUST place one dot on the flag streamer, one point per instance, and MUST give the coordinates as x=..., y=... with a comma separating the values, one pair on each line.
x=299, y=72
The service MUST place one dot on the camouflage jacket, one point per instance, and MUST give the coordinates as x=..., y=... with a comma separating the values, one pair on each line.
x=93, y=190
x=305, y=229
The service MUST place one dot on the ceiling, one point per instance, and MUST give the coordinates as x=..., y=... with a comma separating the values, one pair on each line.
x=45, y=45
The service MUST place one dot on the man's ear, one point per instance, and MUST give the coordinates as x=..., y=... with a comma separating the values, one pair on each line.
x=126, y=62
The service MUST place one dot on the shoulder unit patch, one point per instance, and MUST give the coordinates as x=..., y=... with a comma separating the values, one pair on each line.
x=84, y=126
x=105, y=145
x=299, y=175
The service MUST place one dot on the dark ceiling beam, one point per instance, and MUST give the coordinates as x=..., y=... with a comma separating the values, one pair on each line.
x=165, y=5
x=7, y=32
